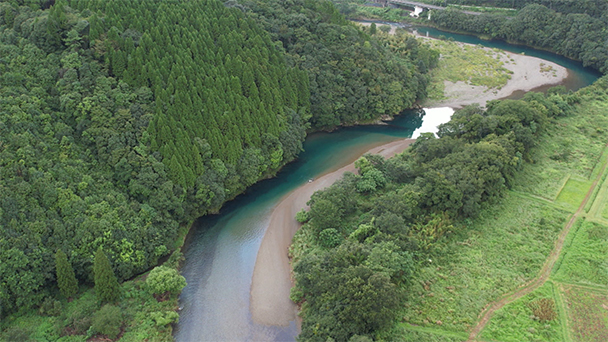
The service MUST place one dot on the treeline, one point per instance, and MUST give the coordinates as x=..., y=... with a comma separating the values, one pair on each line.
x=121, y=120
x=594, y=8
x=221, y=89
x=363, y=237
x=74, y=172
x=353, y=77
x=579, y=36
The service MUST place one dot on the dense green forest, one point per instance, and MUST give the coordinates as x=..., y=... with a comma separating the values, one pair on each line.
x=123, y=121
x=365, y=236
x=352, y=78
x=594, y=8
x=575, y=34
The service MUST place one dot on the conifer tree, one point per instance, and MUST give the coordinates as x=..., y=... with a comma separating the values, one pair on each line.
x=106, y=285
x=66, y=280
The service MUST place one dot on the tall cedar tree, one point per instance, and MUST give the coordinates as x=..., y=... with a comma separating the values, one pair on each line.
x=66, y=280
x=106, y=285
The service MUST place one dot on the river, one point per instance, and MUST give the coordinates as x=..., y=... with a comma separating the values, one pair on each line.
x=222, y=249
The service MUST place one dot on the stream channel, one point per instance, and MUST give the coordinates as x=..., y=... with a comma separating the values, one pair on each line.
x=222, y=249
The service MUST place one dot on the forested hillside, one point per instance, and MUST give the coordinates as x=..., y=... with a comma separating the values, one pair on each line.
x=575, y=29
x=353, y=77
x=366, y=236
x=594, y=8
x=122, y=121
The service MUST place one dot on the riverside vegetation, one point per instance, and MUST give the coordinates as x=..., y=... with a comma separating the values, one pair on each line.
x=123, y=121
x=422, y=242
x=573, y=29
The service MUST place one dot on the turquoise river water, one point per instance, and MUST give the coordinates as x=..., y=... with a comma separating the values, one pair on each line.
x=222, y=249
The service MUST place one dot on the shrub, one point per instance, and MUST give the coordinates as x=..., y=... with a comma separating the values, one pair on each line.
x=163, y=281
x=107, y=321
x=50, y=307
x=16, y=334
x=79, y=319
x=175, y=260
x=296, y=295
x=164, y=318
x=302, y=216
x=329, y=238
x=543, y=309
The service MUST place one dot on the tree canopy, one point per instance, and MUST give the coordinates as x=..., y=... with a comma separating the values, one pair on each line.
x=123, y=121
x=364, y=235
x=578, y=34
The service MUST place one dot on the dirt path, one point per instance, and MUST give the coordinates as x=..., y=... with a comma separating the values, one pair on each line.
x=537, y=282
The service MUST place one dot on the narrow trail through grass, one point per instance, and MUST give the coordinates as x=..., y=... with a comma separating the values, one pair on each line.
x=545, y=272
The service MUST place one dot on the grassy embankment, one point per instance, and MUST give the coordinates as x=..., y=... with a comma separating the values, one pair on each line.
x=507, y=246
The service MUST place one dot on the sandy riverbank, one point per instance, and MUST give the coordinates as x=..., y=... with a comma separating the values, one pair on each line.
x=528, y=73
x=271, y=283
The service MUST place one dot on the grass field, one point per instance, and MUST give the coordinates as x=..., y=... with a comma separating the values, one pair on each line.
x=521, y=320
x=587, y=314
x=586, y=259
x=471, y=64
x=505, y=248
x=493, y=255
x=571, y=148
x=573, y=193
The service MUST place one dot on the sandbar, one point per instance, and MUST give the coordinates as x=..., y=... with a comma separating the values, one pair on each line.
x=271, y=283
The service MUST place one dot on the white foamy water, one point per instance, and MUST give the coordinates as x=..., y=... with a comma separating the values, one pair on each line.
x=432, y=119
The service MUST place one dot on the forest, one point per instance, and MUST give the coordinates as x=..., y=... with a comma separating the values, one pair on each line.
x=364, y=238
x=122, y=122
x=594, y=8
x=574, y=29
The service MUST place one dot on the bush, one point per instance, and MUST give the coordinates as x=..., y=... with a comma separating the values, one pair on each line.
x=164, y=318
x=175, y=260
x=107, y=321
x=296, y=295
x=329, y=238
x=16, y=334
x=79, y=319
x=164, y=281
x=302, y=216
x=50, y=307
x=543, y=309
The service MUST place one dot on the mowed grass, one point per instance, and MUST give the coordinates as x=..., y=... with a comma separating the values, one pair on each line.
x=518, y=321
x=571, y=147
x=585, y=260
x=587, y=314
x=471, y=64
x=495, y=254
x=573, y=193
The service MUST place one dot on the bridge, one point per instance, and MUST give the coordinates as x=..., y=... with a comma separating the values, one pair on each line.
x=415, y=4
x=419, y=6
